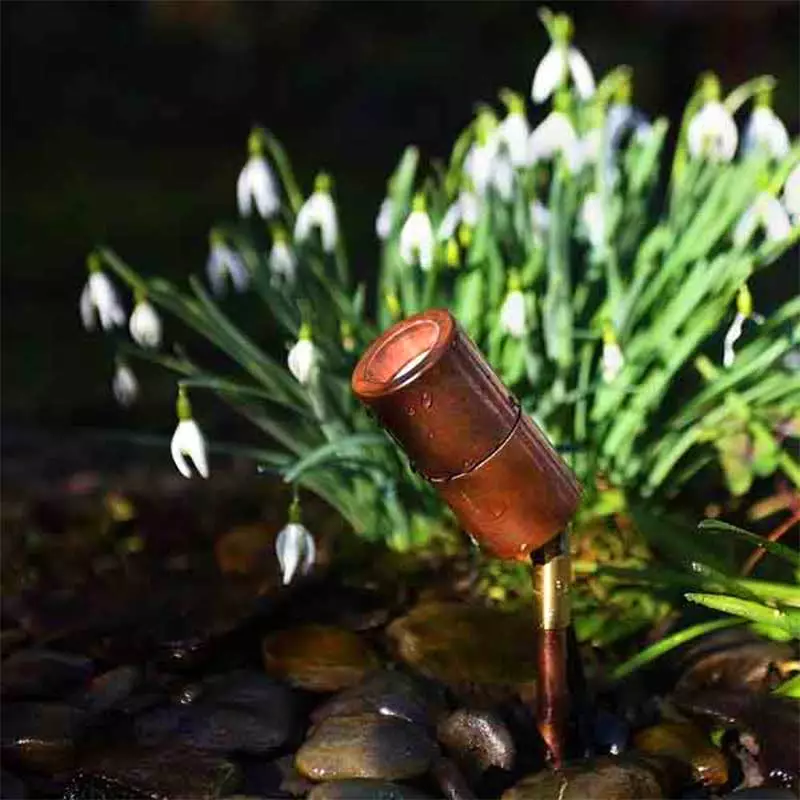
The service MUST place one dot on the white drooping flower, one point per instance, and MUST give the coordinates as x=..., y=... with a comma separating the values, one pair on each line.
x=145, y=325
x=295, y=547
x=225, y=264
x=744, y=312
x=561, y=61
x=383, y=222
x=767, y=213
x=416, y=236
x=99, y=299
x=514, y=130
x=257, y=184
x=765, y=131
x=712, y=133
x=612, y=359
x=555, y=134
x=513, y=316
x=464, y=211
x=540, y=221
x=592, y=217
x=282, y=261
x=188, y=441
x=502, y=177
x=319, y=212
x=791, y=195
x=125, y=386
x=479, y=161
x=303, y=358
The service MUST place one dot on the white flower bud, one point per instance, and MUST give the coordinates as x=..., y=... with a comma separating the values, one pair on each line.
x=295, y=550
x=125, y=386
x=302, y=359
x=145, y=325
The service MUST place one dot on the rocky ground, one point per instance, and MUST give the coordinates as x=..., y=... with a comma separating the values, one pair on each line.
x=148, y=651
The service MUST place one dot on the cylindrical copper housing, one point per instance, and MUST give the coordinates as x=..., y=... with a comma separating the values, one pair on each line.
x=430, y=387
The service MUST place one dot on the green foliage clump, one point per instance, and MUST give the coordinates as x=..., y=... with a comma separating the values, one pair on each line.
x=596, y=273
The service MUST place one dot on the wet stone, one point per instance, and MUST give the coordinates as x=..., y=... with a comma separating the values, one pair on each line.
x=606, y=778
x=164, y=772
x=239, y=712
x=390, y=693
x=772, y=720
x=686, y=743
x=463, y=645
x=318, y=657
x=365, y=746
x=364, y=789
x=735, y=662
x=477, y=739
x=41, y=737
x=109, y=690
x=43, y=674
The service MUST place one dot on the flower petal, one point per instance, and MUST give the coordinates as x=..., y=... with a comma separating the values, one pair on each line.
x=87, y=309
x=244, y=195
x=775, y=220
x=548, y=74
x=581, y=73
x=732, y=336
x=177, y=454
x=263, y=187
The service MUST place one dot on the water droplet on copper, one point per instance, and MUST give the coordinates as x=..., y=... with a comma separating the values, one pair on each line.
x=427, y=400
x=411, y=411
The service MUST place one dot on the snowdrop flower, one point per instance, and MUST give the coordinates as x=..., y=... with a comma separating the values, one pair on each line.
x=555, y=134
x=303, y=358
x=319, y=212
x=225, y=263
x=479, y=161
x=764, y=130
x=513, y=131
x=188, y=440
x=383, y=222
x=593, y=220
x=540, y=221
x=562, y=60
x=257, y=182
x=513, y=317
x=99, y=299
x=416, y=236
x=612, y=359
x=125, y=386
x=712, y=132
x=282, y=261
x=145, y=324
x=502, y=177
x=744, y=311
x=791, y=194
x=766, y=212
x=464, y=211
x=295, y=547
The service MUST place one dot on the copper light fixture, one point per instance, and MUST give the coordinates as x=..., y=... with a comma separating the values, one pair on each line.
x=432, y=390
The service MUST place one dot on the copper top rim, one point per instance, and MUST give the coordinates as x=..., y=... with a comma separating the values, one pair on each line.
x=403, y=352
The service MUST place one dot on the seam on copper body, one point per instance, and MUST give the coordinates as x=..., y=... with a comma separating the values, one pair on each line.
x=478, y=464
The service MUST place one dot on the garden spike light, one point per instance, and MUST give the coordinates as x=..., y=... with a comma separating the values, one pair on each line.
x=431, y=389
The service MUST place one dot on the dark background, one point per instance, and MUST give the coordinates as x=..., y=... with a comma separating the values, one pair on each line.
x=126, y=123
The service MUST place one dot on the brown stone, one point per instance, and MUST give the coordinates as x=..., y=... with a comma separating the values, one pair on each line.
x=365, y=746
x=606, y=778
x=318, y=657
x=464, y=645
x=686, y=743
